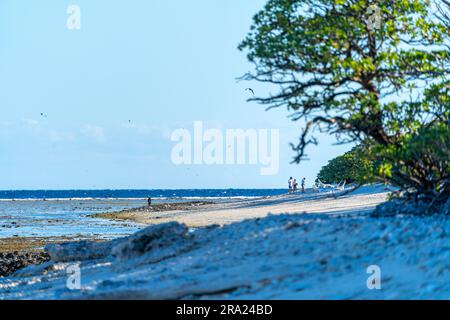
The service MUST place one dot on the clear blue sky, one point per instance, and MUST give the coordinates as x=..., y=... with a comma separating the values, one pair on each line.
x=161, y=64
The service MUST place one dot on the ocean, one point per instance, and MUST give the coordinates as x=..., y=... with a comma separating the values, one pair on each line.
x=138, y=194
x=67, y=213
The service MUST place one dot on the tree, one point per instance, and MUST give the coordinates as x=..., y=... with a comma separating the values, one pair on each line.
x=351, y=167
x=443, y=14
x=367, y=71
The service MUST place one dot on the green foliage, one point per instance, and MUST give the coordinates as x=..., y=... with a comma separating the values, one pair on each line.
x=352, y=167
x=419, y=163
x=332, y=69
x=385, y=87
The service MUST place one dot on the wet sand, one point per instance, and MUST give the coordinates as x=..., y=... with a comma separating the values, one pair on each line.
x=19, y=252
x=32, y=244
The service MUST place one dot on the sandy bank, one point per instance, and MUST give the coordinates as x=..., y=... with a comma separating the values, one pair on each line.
x=226, y=213
x=153, y=209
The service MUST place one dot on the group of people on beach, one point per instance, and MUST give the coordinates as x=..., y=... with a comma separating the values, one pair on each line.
x=293, y=185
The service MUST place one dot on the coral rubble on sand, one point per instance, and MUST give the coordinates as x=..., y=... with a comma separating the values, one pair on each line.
x=304, y=256
x=400, y=206
x=13, y=261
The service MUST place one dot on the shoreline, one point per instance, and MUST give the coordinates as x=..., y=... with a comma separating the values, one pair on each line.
x=222, y=213
x=37, y=244
x=159, y=207
x=322, y=246
x=18, y=252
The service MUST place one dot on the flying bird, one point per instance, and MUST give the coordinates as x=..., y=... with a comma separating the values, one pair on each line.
x=43, y=115
x=251, y=90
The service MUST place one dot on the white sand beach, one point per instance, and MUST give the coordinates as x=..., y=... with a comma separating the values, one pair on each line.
x=296, y=247
x=359, y=201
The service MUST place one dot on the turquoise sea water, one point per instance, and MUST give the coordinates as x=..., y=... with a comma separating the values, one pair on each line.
x=46, y=213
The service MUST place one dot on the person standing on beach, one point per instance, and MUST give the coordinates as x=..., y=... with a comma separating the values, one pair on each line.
x=149, y=201
x=290, y=185
x=295, y=185
x=303, y=184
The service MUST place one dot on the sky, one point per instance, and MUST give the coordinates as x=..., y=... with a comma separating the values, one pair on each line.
x=113, y=92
